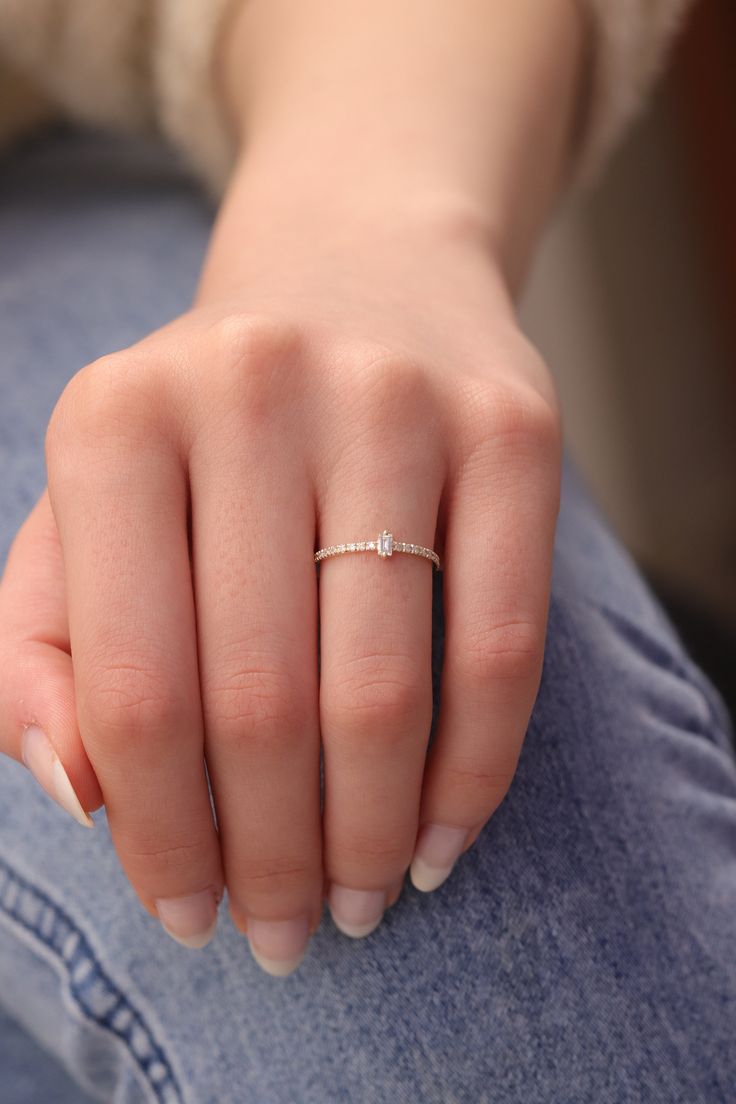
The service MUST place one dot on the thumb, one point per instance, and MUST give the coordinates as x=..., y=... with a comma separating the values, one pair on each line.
x=38, y=722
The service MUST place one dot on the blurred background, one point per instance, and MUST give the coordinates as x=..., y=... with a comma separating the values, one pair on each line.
x=633, y=302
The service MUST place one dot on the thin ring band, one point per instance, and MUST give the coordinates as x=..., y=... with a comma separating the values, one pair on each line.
x=385, y=546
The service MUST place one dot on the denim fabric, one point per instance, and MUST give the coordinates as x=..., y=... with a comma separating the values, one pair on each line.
x=28, y=1075
x=583, y=951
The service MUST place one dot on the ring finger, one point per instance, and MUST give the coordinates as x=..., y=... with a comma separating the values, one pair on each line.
x=375, y=687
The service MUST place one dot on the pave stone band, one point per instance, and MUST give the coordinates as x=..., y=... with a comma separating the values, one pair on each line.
x=385, y=546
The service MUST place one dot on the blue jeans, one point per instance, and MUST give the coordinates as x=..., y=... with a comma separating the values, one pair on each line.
x=583, y=951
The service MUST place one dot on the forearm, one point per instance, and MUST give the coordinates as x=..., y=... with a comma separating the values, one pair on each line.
x=456, y=113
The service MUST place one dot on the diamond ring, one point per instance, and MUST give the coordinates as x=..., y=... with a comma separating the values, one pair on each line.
x=385, y=546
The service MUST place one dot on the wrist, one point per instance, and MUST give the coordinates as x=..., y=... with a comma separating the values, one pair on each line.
x=462, y=112
x=377, y=231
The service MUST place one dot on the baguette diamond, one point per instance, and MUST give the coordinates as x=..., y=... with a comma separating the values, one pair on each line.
x=385, y=543
x=385, y=546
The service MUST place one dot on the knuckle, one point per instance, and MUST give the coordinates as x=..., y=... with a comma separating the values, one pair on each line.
x=390, y=407
x=108, y=400
x=243, y=337
x=161, y=860
x=507, y=652
x=479, y=787
x=98, y=393
x=254, y=700
x=388, y=391
x=384, y=375
x=377, y=694
x=155, y=850
x=255, y=357
x=278, y=876
x=377, y=852
x=517, y=417
x=124, y=700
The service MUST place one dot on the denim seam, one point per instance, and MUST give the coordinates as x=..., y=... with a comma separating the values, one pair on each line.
x=91, y=989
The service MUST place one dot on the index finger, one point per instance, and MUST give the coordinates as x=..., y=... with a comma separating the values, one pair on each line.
x=119, y=494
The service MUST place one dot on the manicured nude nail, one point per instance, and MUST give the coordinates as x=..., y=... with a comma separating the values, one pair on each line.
x=190, y=920
x=278, y=946
x=46, y=767
x=438, y=848
x=356, y=912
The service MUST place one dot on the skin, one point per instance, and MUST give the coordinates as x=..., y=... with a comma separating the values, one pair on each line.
x=352, y=361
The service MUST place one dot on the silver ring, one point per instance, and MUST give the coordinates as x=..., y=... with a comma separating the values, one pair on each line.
x=384, y=546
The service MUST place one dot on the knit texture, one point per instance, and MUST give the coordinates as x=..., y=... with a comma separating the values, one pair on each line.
x=188, y=106
x=148, y=65
x=137, y=65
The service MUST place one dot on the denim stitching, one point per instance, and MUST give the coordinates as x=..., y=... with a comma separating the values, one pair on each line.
x=95, y=994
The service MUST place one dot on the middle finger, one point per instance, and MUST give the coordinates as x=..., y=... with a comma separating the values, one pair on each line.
x=253, y=539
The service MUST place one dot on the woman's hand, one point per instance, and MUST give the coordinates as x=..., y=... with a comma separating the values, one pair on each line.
x=352, y=363
x=374, y=380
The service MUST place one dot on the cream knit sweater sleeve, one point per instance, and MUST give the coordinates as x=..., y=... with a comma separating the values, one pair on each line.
x=147, y=65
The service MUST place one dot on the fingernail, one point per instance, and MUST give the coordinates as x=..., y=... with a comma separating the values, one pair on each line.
x=278, y=946
x=356, y=912
x=46, y=767
x=190, y=920
x=438, y=848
